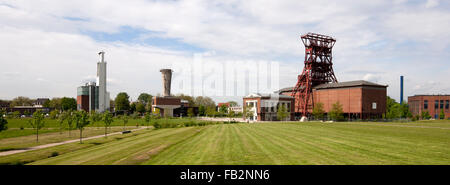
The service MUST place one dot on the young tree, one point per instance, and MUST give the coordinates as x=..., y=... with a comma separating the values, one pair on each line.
x=147, y=118
x=247, y=112
x=426, y=115
x=125, y=121
x=282, y=112
x=95, y=117
x=230, y=115
x=3, y=122
x=442, y=114
x=190, y=112
x=318, y=111
x=81, y=121
x=16, y=114
x=336, y=112
x=201, y=110
x=37, y=122
x=62, y=117
x=223, y=109
x=210, y=111
x=107, y=120
x=70, y=116
x=53, y=114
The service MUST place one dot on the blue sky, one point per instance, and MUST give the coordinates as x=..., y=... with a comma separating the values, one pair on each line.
x=49, y=47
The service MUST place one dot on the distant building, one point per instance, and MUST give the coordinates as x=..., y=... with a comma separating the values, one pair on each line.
x=359, y=99
x=265, y=106
x=40, y=102
x=235, y=109
x=88, y=97
x=431, y=103
x=92, y=97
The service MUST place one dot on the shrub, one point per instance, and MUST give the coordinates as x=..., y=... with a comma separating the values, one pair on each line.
x=54, y=154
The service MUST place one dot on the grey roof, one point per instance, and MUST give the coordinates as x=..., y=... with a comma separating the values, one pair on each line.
x=337, y=85
x=267, y=95
x=348, y=84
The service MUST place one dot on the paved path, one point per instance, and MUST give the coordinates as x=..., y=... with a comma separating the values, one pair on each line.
x=60, y=143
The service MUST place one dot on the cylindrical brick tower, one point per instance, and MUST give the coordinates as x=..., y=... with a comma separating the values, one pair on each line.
x=167, y=79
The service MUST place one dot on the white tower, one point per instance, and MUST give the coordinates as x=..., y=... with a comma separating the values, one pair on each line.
x=103, y=95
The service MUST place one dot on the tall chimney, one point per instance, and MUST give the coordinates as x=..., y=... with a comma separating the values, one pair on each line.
x=167, y=79
x=401, y=90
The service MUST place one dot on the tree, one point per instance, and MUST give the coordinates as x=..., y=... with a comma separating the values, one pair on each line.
x=190, y=112
x=62, y=117
x=282, y=112
x=190, y=99
x=318, y=111
x=3, y=122
x=442, y=114
x=223, y=109
x=125, y=121
x=230, y=115
x=233, y=103
x=140, y=107
x=205, y=101
x=133, y=107
x=122, y=102
x=81, y=121
x=55, y=103
x=54, y=114
x=336, y=112
x=145, y=98
x=426, y=115
x=16, y=114
x=70, y=116
x=107, y=120
x=95, y=117
x=201, y=110
x=21, y=101
x=147, y=118
x=68, y=104
x=210, y=111
x=248, y=112
x=37, y=122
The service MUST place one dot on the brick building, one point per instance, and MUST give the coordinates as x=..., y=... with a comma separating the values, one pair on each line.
x=264, y=106
x=359, y=99
x=431, y=103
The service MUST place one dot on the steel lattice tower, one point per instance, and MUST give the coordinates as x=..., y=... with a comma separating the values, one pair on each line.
x=318, y=70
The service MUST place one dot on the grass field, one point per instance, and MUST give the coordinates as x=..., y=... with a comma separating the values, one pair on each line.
x=262, y=143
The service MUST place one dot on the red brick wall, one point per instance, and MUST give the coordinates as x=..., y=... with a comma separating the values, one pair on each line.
x=353, y=100
x=83, y=102
x=416, y=105
x=166, y=101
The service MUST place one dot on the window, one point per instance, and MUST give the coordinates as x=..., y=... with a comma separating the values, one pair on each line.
x=436, y=104
x=441, y=106
x=425, y=104
x=374, y=105
x=446, y=104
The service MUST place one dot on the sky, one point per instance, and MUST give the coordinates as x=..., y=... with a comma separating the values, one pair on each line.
x=49, y=47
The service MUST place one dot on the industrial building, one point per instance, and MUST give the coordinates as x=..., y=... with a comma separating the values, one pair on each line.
x=433, y=104
x=166, y=103
x=265, y=106
x=91, y=97
x=359, y=99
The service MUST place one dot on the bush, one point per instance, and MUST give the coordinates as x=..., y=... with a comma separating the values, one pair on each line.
x=54, y=154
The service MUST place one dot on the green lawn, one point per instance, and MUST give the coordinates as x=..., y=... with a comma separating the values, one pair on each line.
x=267, y=143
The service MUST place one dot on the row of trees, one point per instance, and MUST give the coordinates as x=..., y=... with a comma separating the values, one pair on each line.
x=64, y=103
x=72, y=119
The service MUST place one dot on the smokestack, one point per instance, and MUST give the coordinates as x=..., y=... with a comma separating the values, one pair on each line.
x=167, y=79
x=401, y=90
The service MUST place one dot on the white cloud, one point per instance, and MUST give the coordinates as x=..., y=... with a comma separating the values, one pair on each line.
x=383, y=38
x=432, y=3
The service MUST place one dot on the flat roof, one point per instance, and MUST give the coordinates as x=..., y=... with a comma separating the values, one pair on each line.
x=337, y=85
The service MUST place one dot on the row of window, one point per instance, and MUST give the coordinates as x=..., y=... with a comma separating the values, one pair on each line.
x=272, y=109
x=438, y=104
